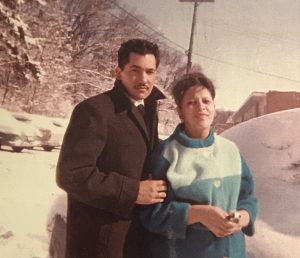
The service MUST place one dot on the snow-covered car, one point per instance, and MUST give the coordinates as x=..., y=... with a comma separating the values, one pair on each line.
x=56, y=227
x=52, y=129
x=16, y=134
x=270, y=145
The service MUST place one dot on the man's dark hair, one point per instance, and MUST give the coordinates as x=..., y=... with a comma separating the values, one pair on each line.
x=139, y=46
x=189, y=80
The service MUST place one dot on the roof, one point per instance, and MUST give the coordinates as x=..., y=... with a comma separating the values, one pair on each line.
x=254, y=97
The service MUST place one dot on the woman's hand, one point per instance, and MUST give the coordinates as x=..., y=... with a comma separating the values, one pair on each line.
x=215, y=219
x=245, y=218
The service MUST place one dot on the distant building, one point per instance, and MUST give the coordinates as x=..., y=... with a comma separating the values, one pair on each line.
x=262, y=103
x=219, y=128
x=220, y=123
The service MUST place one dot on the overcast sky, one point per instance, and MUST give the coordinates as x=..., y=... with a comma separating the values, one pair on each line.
x=242, y=45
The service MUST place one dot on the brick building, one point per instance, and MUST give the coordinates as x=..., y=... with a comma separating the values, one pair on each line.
x=261, y=103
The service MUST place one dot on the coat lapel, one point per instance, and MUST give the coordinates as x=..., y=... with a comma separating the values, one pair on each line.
x=123, y=103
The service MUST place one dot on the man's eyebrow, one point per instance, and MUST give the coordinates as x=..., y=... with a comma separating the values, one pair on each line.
x=151, y=69
x=138, y=67
x=135, y=66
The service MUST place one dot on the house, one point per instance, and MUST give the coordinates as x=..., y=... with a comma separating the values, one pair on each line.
x=219, y=123
x=262, y=103
x=220, y=128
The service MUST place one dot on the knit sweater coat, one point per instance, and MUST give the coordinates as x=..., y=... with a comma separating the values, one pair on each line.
x=209, y=171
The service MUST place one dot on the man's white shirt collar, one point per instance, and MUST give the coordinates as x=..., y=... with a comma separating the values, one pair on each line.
x=137, y=102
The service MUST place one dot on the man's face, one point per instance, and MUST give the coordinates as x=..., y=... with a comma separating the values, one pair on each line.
x=138, y=75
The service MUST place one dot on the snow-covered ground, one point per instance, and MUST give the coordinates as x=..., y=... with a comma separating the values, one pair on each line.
x=270, y=145
x=27, y=190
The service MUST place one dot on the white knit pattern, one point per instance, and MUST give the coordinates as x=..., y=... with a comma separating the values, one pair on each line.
x=191, y=164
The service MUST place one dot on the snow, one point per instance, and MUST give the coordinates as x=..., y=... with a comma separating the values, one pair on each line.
x=27, y=183
x=41, y=2
x=269, y=144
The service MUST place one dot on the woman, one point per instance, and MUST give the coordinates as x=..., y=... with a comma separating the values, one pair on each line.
x=210, y=203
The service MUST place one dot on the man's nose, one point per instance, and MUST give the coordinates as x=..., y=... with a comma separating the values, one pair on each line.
x=143, y=77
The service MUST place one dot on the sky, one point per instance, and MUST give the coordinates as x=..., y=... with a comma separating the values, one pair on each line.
x=29, y=197
x=242, y=45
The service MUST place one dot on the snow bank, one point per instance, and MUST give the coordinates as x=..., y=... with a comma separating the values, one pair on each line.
x=271, y=146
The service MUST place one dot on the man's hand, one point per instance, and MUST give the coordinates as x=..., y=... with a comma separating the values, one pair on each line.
x=151, y=191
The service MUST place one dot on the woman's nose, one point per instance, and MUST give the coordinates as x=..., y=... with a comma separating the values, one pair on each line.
x=201, y=105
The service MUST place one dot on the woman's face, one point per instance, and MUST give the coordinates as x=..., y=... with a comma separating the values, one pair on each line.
x=197, y=111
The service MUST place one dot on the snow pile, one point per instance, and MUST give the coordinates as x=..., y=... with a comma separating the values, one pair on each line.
x=271, y=146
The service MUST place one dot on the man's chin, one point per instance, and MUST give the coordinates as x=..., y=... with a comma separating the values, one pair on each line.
x=142, y=94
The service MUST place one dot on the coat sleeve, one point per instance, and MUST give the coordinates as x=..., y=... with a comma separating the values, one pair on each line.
x=247, y=199
x=170, y=217
x=77, y=171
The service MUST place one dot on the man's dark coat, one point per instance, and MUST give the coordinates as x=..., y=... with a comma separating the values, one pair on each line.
x=102, y=160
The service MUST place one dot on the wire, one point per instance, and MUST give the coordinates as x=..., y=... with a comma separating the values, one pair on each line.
x=246, y=68
x=149, y=27
x=197, y=54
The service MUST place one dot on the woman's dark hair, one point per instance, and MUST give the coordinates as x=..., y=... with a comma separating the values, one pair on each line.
x=189, y=80
x=139, y=46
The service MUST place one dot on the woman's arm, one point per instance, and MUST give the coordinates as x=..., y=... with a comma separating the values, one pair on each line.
x=168, y=218
x=247, y=202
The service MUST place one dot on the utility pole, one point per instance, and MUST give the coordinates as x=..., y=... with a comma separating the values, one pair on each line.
x=190, y=50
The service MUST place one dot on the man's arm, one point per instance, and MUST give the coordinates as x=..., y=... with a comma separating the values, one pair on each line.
x=77, y=172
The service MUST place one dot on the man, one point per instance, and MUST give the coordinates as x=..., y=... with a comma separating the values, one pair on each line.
x=104, y=156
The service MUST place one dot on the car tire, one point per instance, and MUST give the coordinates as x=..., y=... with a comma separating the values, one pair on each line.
x=48, y=148
x=57, y=246
x=17, y=149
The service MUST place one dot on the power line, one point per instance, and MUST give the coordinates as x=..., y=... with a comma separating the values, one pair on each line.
x=245, y=68
x=267, y=37
x=149, y=27
x=115, y=16
x=197, y=54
